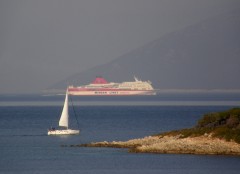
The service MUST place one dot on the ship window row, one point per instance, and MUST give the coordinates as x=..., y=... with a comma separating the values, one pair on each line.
x=135, y=86
x=130, y=87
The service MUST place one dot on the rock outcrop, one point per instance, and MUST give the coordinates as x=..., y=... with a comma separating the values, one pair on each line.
x=175, y=144
x=216, y=133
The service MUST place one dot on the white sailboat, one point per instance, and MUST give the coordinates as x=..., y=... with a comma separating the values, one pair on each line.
x=63, y=122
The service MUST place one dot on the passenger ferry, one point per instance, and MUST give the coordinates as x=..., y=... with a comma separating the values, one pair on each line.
x=100, y=86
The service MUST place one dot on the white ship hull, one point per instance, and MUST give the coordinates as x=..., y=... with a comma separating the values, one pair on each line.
x=110, y=93
x=63, y=132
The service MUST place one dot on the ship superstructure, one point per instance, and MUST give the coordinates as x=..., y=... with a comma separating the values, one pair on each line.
x=100, y=86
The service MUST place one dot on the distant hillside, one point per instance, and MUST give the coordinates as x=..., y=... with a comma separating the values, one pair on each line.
x=205, y=55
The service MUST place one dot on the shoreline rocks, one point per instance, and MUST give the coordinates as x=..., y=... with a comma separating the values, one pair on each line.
x=204, y=145
x=215, y=134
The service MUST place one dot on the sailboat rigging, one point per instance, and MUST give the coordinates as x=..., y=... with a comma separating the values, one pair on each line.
x=63, y=122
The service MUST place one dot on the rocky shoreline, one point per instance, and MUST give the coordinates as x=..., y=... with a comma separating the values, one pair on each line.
x=204, y=145
x=215, y=134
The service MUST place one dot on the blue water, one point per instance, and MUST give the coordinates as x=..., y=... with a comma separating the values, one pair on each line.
x=25, y=147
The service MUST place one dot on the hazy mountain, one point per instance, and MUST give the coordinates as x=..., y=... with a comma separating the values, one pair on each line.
x=202, y=56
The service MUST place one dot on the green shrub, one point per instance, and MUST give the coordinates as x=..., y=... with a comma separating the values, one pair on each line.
x=225, y=125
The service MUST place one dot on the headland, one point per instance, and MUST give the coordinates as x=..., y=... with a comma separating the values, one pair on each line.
x=215, y=134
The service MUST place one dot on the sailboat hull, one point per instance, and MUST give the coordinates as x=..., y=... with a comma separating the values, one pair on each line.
x=63, y=132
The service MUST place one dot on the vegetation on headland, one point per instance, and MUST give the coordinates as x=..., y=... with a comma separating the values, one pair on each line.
x=223, y=125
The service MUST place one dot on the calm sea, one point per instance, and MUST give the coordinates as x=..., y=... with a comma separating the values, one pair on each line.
x=25, y=147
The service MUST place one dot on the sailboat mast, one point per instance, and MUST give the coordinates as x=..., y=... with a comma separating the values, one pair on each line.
x=74, y=112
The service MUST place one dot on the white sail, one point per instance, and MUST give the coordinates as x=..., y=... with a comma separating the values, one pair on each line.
x=64, y=117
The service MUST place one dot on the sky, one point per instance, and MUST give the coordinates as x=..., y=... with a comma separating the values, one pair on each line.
x=44, y=42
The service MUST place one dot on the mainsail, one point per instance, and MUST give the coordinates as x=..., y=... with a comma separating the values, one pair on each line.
x=64, y=117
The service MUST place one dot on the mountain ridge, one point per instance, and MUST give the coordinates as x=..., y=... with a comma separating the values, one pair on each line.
x=201, y=56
